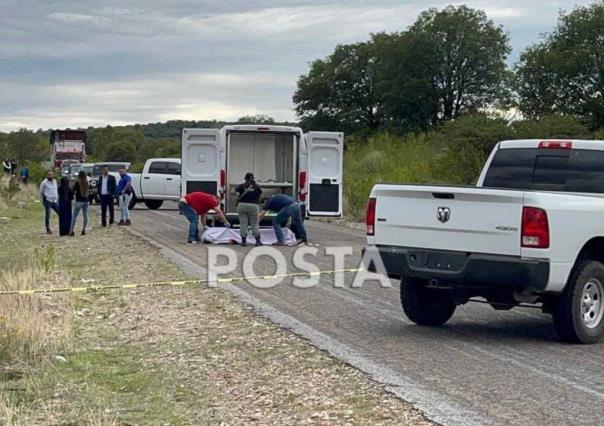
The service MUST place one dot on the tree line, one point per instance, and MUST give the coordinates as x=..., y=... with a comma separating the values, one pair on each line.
x=133, y=143
x=451, y=63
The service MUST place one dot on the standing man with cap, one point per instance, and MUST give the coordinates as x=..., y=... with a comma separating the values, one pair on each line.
x=196, y=205
x=286, y=207
x=106, y=187
x=49, y=195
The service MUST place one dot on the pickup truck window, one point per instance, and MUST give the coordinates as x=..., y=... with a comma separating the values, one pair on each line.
x=173, y=169
x=158, y=167
x=574, y=170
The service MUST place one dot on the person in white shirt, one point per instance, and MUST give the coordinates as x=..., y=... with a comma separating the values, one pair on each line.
x=50, y=196
x=6, y=166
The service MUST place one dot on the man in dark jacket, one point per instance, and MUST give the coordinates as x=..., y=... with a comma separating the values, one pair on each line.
x=107, y=187
x=286, y=207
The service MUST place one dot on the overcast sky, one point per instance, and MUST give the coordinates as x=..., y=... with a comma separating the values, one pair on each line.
x=93, y=62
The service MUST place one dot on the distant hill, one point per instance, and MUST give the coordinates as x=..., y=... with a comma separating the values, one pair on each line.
x=173, y=128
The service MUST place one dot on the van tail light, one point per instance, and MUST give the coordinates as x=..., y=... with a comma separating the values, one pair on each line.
x=535, y=228
x=222, y=183
x=302, y=186
x=555, y=145
x=370, y=217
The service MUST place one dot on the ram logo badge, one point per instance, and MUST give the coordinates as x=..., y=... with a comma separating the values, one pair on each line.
x=443, y=214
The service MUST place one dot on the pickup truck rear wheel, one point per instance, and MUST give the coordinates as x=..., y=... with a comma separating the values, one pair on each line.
x=425, y=306
x=153, y=204
x=132, y=202
x=579, y=311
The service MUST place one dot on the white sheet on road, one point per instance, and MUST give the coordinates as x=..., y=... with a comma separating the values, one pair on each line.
x=231, y=236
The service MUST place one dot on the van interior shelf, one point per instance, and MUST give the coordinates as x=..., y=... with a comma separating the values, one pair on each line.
x=276, y=184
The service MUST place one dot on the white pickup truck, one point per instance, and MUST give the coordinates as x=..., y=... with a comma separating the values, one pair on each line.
x=159, y=182
x=532, y=231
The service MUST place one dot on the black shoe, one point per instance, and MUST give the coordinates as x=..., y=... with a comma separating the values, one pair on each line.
x=193, y=242
x=104, y=225
x=122, y=223
x=258, y=242
x=243, y=241
x=71, y=234
x=83, y=232
x=128, y=223
x=48, y=231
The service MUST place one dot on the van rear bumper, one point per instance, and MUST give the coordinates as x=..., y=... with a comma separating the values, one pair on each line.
x=460, y=268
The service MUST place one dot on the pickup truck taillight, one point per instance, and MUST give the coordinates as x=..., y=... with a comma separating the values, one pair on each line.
x=370, y=217
x=535, y=228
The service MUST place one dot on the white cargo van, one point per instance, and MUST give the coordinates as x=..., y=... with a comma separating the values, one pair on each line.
x=284, y=160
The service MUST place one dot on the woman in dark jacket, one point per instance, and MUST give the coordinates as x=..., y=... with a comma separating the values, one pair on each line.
x=81, y=190
x=65, y=198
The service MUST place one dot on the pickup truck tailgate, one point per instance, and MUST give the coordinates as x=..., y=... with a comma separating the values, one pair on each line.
x=466, y=219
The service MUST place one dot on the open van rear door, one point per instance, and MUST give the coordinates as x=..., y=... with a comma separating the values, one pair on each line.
x=201, y=161
x=325, y=154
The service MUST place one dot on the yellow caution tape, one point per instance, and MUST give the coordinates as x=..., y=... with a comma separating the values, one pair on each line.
x=93, y=288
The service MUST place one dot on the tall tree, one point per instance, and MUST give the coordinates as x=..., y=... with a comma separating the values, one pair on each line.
x=339, y=91
x=464, y=54
x=565, y=72
x=409, y=98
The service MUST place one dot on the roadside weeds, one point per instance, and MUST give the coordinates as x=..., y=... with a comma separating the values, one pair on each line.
x=175, y=355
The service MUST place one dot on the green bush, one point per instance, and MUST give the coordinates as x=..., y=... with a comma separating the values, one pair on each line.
x=551, y=127
x=384, y=158
x=37, y=173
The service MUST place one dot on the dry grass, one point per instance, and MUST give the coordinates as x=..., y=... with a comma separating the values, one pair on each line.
x=11, y=195
x=10, y=412
x=31, y=326
x=168, y=356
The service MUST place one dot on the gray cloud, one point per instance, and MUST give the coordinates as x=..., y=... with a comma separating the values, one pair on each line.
x=80, y=63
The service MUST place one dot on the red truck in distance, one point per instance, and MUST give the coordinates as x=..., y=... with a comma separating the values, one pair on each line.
x=67, y=147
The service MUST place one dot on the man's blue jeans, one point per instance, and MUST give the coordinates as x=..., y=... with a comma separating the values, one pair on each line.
x=293, y=211
x=48, y=206
x=193, y=219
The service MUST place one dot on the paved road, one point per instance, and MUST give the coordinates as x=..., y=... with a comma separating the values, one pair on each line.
x=483, y=367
